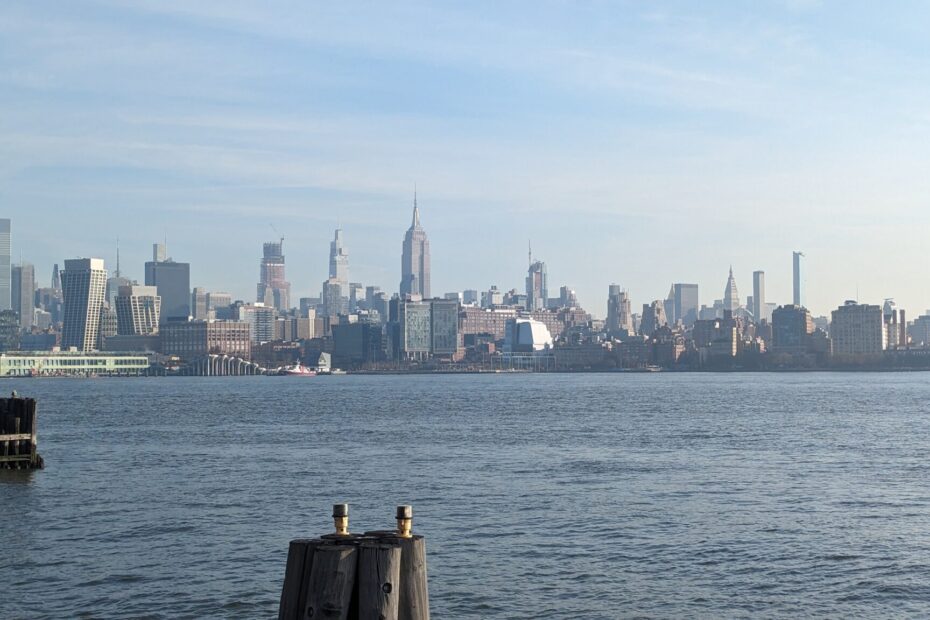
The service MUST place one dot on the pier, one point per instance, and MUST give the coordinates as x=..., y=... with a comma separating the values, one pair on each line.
x=378, y=575
x=18, y=449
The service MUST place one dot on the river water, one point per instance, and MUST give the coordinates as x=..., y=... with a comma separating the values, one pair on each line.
x=541, y=496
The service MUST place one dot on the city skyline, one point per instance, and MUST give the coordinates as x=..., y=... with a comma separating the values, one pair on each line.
x=339, y=265
x=726, y=138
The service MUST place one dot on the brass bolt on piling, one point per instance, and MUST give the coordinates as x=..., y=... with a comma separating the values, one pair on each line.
x=341, y=519
x=404, y=521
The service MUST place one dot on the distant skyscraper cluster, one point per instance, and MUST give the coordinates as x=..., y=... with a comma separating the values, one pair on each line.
x=359, y=325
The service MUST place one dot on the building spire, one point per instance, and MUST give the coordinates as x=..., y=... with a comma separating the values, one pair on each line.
x=416, y=209
x=529, y=245
x=117, y=257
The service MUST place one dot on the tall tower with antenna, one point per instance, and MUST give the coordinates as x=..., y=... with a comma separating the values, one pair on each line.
x=116, y=281
x=415, y=258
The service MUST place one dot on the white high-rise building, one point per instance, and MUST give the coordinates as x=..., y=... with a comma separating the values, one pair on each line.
x=159, y=252
x=798, y=279
x=83, y=285
x=138, y=309
x=758, y=298
x=857, y=329
x=6, y=288
x=339, y=260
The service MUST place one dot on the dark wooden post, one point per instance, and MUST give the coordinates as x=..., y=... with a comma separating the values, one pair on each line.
x=414, y=597
x=296, y=576
x=332, y=580
x=380, y=575
x=379, y=581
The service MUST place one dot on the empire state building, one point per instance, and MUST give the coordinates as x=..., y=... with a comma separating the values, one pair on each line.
x=414, y=263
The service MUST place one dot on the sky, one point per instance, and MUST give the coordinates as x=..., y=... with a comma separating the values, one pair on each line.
x=637, y=143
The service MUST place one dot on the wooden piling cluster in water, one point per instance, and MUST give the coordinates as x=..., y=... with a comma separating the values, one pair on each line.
x=18, y=434
x=379, y=575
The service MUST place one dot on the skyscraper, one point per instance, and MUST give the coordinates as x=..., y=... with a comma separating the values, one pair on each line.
x=334, y=298
x=339, y=260
x=758, y=297
x=6, y=298
x=857, y=329
x=23, y=280
x=173, y=281
x=669, y=305
x=335, y=293
x=792, y=327
x=613, y=308
x=200, y=308
x=798, y=279
x=653, y=317
x=114, y=283
x=137, y=310
x=83, y=284
x=273, y=289
x=619, y=313
x=415, y=261
x=107, y=326
x=687, y=303
x=159, y=252
x=218, y=301
x=568, y=298
x=537, y=286
x=731, y=295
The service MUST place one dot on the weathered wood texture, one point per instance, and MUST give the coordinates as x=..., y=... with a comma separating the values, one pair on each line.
x=296, y=577
x=414, y=597
x=18, y=434
x=332, y=582
x=379, y=581
x=377, y=576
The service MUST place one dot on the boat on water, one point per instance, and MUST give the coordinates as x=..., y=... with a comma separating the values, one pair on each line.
x=297, y=370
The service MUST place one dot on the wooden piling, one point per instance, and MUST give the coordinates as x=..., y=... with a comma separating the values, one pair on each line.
x=379, y=581
x=414, y=596
x=379, y=575
x=332, y=582
x=296, y=578
x=18, y=434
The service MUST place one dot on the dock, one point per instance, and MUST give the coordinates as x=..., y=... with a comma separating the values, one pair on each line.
x=18, y=446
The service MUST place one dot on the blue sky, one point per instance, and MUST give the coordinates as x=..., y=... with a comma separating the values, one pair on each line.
x=634, y=142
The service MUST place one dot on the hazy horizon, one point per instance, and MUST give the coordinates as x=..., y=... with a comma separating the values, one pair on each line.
x=633, y=143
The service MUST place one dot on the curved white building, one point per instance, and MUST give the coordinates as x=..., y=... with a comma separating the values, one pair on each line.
x=527, y=336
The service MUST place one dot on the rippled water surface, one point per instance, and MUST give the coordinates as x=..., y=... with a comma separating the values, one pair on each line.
x=541, y=496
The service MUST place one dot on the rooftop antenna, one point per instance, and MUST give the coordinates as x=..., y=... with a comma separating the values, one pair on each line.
x=416, y=209
x=117, y=257
x=529, y=245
